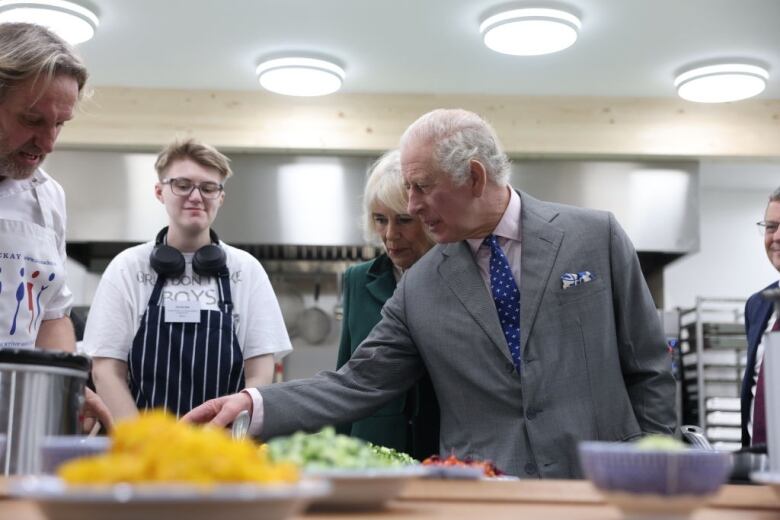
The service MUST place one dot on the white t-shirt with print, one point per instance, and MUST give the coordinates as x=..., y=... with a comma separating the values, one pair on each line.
x=124, y=290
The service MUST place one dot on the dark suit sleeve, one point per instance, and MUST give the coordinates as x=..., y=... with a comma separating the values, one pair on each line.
x=383, y=367
x=745, y=395
x=644, y=361
x=757, y=315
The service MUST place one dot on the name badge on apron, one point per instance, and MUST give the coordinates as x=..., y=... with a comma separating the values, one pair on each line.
x=182, y=312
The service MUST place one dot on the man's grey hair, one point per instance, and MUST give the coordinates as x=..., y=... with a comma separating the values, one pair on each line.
x=459, y=136
x=29, y=51
x=775, y=195
x=386, y=186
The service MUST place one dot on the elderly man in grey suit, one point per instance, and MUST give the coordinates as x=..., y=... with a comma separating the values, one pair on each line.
x=532, y=319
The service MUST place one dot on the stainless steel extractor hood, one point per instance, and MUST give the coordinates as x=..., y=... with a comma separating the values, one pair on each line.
x=311, y=200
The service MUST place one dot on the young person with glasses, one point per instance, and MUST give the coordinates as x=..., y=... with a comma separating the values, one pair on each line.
x=183, y=318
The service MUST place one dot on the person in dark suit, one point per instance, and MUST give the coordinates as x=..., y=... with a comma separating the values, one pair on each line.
x=760, y=318
x=532, y=319
x=409, y=423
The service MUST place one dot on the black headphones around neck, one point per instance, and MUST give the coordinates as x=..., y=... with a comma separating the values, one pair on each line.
x=168, y=261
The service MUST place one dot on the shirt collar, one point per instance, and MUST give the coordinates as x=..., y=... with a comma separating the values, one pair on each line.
x=509, y=225
x=397, y=273
x=10, y=187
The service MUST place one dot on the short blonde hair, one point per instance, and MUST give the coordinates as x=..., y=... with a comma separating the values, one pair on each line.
x=200, y=153
x=385, y=185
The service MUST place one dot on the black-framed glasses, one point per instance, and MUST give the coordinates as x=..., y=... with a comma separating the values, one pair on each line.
x=768, y=227
x=182, y=187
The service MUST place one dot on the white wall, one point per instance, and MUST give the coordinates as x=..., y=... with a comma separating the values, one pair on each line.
x=82, y=283
x=731, y=262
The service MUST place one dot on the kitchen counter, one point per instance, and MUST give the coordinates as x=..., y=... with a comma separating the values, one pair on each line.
x=548, y=499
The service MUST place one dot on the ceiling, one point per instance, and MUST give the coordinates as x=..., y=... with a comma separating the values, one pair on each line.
x=626, y=47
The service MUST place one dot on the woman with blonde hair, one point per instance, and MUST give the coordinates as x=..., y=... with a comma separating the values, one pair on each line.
x=409, y=423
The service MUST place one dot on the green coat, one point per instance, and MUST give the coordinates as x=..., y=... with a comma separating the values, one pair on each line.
x=409, y=423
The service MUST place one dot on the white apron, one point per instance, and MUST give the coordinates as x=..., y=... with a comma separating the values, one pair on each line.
x=31, y=273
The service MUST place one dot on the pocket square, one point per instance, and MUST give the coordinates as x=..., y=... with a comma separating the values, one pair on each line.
x=575, y=279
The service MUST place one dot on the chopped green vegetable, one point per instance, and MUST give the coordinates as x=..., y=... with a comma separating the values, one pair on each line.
x=394, y=457
x=659, y=442
x=328, y=450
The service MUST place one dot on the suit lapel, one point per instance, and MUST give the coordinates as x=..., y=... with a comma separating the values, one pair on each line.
x=461, y=274
x=539, y=247
x=760, y=320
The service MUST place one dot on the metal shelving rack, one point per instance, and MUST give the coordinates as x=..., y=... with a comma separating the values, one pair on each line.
x=713, y=348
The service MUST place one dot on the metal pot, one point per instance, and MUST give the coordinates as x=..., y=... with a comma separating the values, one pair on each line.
x=291, y=305
x=41, y=394
x=750, y=459
x=314, y=323
x=745, y=461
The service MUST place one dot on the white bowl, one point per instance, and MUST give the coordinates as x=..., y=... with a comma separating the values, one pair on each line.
x=365, y=488
x=58, y=501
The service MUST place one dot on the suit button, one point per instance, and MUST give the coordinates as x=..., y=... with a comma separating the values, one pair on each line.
x=530, y=468
x=531, y=415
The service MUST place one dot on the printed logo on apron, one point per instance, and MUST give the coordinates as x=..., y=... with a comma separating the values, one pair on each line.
x=31, y=273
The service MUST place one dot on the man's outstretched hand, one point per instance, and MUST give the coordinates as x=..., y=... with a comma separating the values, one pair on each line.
x=221, y=411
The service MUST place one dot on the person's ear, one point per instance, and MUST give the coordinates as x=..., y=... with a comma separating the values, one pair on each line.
x=158, y=189
x=477, y=177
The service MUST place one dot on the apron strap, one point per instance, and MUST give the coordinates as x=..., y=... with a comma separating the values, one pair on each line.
x=48, y=222
x=223, y=282
x=154, y=299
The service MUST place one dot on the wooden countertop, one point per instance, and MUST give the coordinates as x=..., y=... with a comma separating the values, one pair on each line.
x=529, y=499
x=565, y=492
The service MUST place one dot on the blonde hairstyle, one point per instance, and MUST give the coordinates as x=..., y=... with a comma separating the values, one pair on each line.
x=458, y=136
x=385, y=185
x=200, y=153
x=31, y=51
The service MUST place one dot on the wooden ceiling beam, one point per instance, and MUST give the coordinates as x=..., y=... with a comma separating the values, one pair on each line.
x=134, y=118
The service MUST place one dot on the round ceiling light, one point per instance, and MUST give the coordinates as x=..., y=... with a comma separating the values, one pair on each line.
x=530, y=31
x=71, y=22
x=300, y=76
x=721, y=83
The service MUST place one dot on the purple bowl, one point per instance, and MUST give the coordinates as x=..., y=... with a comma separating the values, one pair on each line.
x=622, y=467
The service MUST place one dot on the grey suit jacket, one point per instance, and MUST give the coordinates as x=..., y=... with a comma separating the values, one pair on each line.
x=594, y=357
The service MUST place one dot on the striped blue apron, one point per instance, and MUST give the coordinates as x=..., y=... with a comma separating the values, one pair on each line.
x=178, y=366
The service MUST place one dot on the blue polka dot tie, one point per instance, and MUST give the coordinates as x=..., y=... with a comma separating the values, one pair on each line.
x=506, y=296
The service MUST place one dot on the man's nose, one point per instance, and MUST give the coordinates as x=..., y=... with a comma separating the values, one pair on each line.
x=46, y=137
x=414, y=206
